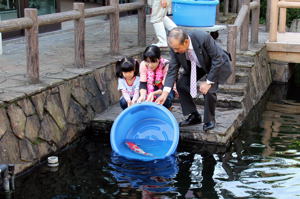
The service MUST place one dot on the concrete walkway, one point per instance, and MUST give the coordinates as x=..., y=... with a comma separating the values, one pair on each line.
x=57, y=55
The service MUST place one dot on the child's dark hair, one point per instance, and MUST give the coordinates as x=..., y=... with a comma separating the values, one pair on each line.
x=127, y=64
x=151, y=53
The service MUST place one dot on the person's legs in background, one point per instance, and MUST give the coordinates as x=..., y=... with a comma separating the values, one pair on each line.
x=161, y=22
x=123, y=103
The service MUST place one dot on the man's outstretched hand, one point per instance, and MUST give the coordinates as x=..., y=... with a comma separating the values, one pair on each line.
x=162, y=98
x=204, y=87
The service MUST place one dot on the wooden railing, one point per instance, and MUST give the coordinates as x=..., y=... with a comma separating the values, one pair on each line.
x=281, y=5
x=31, y=22
x=241, y=25
x=234, y=6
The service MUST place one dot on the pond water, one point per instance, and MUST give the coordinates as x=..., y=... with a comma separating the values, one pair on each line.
x=262, y=162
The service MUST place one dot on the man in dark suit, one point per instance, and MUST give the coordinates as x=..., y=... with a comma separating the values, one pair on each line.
x=198, y=54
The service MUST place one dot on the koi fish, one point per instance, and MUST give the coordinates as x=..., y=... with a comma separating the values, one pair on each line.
x=137, y=149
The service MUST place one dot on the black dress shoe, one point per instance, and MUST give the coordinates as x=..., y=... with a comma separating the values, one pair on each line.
x=209, y=125
x=191, y=120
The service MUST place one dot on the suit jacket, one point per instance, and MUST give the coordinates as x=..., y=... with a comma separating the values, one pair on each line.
x=213, y=59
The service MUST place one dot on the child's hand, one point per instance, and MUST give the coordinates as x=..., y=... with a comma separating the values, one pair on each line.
x=150, y=97
x=141, y=99
x=129, y=103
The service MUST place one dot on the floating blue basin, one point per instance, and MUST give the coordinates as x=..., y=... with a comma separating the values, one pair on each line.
x=151, y=127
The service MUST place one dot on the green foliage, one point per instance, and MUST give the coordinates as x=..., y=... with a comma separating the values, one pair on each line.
x=295, y=145
x=290, y=16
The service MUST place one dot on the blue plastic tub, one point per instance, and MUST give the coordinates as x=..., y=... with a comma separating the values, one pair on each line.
x=152, y=127
x=195, y=13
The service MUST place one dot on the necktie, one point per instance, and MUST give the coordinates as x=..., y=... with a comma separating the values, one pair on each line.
x=193, y=78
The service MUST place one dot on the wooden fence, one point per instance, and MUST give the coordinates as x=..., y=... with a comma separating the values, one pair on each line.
x=31, y=22
x=241, y=25
x=282, y=5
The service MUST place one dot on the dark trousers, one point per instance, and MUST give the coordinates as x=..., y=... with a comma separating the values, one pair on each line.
x=123, y=103
x=187, y=103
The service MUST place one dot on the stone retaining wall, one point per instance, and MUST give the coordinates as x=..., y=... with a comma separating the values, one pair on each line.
x=34, y=126
x=260, y=79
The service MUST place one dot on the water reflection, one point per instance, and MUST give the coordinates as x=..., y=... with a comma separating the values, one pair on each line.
x=264, y=161
x=153, y=178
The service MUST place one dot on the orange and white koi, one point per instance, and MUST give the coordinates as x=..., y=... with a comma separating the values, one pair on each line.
x=137, y=149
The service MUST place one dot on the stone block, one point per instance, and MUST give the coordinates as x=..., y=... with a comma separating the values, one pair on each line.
x=29, y=152
x=280, y=71
x=17, y=120
x=44, y=149
x=76, y=113
x=27, y=106
x=79, y=93
x=9, y=149
x=50, y=131
x=32, y=128
x=91, y=85
x=65, y=96
x=4, y=122
x=39, y=101
x=54, y=107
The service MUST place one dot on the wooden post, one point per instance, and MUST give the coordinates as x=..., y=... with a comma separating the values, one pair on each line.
x=1, y=49
x=231, y=48
x=142, y=25
x=282, y=19
x=114, y=28
x=255, y=24
x=79, y=31
x=245, y=28
x=234, y=6
x=273, y=21
x=217, y=11
x=32, y=46
x=226, y=7
x=268, y=15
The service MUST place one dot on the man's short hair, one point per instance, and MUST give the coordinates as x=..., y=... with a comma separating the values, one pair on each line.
x=179, y=34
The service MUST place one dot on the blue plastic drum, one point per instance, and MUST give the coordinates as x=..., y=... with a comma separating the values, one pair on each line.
x=151, y=127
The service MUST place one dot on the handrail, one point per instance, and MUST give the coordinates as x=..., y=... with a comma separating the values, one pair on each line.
x=31, y=22
x=58, y=17
x=93, y=12
x=241, y=16
x=15, y=24
x=279, y=7
x=287, y=4
x=241, y=26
